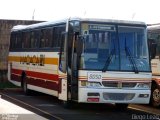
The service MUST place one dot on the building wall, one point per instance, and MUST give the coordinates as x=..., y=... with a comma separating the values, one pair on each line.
x=5, y=29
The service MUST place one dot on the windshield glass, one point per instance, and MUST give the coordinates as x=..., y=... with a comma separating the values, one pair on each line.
x=133, y=48
x=110, y=47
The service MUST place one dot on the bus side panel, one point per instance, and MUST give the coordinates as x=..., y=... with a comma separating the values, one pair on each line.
x=41, y=75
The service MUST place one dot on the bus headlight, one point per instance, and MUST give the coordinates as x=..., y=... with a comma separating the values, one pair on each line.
x=144, y=85
x=90, y=84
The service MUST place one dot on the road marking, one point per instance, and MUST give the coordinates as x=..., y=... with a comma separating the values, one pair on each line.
x=45, y=105
x=32, y=107
x=143, y=110
x=23, y=96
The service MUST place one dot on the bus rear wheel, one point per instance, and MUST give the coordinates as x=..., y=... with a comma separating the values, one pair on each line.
x=155, y=96
x=24, y=85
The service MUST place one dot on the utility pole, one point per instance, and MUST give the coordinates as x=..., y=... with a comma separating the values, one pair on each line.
x=133, y=15
x=33, y=14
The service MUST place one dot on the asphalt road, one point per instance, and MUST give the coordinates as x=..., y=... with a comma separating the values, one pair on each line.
x=51, y=108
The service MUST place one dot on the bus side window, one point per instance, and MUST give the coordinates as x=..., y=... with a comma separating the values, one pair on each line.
x=12, y=39
x=48, y=41
x=54, y=41
x=42, y=39
x=46, y=38
x=36, y=38
x=57, y=34
x=23, y=39
x=19, y=40
x=62, y=60
x=26, y=40
x=153, y=48
x=32, y=40
x=16, y=40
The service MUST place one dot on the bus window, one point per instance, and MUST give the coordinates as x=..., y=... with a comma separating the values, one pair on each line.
x=152, y=46
x=13, y=37
x=34, y=39
x=16, y=42
x=57, y=32
x=42, y=39
x=154, y=43
x=46, y=38
x=62, y=60
x=26, y=40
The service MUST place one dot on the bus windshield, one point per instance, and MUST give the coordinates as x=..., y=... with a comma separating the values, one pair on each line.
x=115, y=48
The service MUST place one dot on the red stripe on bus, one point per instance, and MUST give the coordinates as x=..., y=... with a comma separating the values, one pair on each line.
x=44, y=84
x=15, y=77
x=37, y=74
x=16, y=71
x=37, y=82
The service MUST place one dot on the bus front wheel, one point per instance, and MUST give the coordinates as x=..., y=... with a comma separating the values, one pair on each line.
x=155, y=96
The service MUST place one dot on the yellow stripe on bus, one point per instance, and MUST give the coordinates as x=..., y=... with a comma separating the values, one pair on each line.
x=14, y=58
x=53, y=61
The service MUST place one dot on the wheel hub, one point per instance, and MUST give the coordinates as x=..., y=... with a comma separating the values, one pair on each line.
x=156, y=95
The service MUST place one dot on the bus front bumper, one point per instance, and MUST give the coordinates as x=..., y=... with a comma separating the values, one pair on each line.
x=93, y=95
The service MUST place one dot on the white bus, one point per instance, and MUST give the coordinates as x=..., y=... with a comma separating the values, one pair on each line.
x=154, y=42
x=83, y=60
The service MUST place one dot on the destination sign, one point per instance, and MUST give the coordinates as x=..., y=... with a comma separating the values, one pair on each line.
x=102, y=27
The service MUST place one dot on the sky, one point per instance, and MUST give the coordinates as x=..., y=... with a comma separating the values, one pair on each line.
x=49, y=10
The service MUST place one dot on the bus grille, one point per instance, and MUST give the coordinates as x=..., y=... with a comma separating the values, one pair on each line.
x=118, y=96
x=116, y=84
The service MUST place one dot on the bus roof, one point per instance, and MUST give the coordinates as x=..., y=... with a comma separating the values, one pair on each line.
x=153, y=27
x=37, y=25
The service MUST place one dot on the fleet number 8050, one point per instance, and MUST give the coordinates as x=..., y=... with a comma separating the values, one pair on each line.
x=94, y=76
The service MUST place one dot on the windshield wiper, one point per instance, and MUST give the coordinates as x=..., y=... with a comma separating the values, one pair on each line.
x=108, y=61
x=131, y=59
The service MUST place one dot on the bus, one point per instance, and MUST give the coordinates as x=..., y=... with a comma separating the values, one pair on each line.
x=154, y=47
x=83, y=60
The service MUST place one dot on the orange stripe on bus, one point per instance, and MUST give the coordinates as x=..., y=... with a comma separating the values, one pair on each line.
x=53, y=61
x=14, y=58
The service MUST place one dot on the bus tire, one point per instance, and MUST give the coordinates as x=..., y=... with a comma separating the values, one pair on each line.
x=24, y=85
x=121, y=106
x=155, y=95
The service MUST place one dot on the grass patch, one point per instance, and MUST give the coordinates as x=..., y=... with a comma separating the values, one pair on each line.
x=7, y=84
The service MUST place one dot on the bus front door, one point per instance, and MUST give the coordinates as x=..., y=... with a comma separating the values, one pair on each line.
x=68, y=72
x=74, y=70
